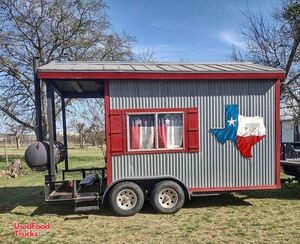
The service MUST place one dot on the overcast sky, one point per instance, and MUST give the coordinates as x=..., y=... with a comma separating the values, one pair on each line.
x=186, y=30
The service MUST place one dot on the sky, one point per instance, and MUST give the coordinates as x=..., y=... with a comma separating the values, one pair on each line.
x=186, y=30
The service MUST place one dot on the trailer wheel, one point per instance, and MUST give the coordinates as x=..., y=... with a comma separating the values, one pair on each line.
x=167, y=197
x=126, y=198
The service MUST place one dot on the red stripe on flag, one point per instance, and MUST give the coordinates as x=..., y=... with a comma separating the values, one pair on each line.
x=244, y=144
x=162, y=136
x=134, y=136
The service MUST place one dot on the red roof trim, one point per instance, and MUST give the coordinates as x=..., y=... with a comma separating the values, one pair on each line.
x=159, y=76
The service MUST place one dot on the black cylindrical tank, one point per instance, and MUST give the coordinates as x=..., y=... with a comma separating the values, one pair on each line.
x=37, y=155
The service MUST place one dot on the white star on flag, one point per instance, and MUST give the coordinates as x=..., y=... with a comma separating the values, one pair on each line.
x=231, y=121
x=138, y=122
x=167, y=121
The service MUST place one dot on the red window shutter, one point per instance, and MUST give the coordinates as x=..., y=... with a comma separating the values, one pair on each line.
x=116, y=132
x=193, y=130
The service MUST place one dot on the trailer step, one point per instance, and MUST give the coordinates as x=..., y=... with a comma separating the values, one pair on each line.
x=86, y=198
x=86, y=209
x=84, y=203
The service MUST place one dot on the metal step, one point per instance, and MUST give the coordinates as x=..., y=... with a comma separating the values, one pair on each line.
x=86, y=202
x=86, y=208
x=86, y=198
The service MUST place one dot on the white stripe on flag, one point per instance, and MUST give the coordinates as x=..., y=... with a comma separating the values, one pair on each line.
x=174, y=136
x=251, y=126
x=146, y=137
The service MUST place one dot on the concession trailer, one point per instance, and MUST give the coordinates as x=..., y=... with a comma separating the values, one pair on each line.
x=172, y=131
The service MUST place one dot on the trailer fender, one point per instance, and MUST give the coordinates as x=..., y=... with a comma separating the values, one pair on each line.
x=146, y=183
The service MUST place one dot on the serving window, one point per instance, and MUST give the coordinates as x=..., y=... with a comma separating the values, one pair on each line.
x=136, y=131
x=155, y=131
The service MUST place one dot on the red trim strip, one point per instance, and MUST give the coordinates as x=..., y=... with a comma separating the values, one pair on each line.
x=107, y=132
x=235, y=188
x=155, y=151
x=157, y=76
x=153, y=110
x=277, y=130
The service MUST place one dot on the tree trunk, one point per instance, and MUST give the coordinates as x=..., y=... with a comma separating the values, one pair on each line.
x=81, y=141
x=18, y=141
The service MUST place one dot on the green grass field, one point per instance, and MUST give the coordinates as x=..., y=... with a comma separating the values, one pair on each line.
x=261, y=216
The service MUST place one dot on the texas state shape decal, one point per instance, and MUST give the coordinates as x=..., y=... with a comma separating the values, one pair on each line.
x=243, y=131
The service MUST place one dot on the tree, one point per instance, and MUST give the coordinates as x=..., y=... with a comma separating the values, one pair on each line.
x=16, y=130
x=88, y=121
x=96, y=121
x=53, y=30
x=147, y=55
x=276, y=44
x=83, y=132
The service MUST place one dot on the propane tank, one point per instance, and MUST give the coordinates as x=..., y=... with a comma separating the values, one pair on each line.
x=37, y=155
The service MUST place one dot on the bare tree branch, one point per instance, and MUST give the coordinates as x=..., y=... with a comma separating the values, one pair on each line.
x=276, y=44
x=54, y=30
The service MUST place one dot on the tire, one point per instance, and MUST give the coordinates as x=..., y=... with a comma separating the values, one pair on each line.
x=167, y=197
x=126, y=199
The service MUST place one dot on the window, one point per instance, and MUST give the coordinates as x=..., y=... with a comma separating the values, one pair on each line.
x=170, y=130
x=141, y=131
x=155, y=131
x=136, y=131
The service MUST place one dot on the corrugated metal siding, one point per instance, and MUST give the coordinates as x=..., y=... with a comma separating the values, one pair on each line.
x=215, y=165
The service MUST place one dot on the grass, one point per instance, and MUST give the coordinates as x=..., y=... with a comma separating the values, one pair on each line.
x=258, y=216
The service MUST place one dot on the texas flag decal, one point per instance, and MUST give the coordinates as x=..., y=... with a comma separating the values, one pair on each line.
x=243, y=131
